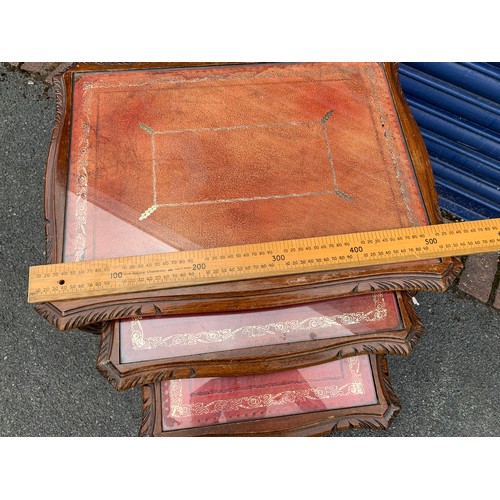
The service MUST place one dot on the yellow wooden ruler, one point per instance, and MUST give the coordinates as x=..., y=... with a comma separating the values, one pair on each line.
x=194, y=267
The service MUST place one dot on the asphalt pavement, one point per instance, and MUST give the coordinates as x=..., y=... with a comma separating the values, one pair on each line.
x=449, y=386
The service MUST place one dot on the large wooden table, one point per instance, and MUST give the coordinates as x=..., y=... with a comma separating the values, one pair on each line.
x=150, y=158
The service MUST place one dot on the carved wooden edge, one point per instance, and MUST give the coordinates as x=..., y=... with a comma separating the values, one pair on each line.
x=379, y=422
x=417, y=327
x=148, y=410
x=90, y=314
x=67, y=315
x=378, y=416
x=151, y=375
x=258, y=360
x=50, y=170
x=108, y=369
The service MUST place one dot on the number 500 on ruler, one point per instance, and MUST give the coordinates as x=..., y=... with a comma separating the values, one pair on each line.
x=194, y=267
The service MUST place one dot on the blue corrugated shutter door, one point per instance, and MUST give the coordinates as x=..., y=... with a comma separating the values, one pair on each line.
x=457, y=107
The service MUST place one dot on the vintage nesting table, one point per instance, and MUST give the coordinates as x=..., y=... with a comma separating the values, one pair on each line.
x=149, y=158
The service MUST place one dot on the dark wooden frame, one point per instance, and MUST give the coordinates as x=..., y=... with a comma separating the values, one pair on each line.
x=249, y=294
x=375, y=416
x=257, y=360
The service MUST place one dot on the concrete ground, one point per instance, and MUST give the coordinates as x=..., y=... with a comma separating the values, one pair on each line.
x=449, y=386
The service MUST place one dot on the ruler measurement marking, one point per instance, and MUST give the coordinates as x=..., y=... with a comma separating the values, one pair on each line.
x=156, y=271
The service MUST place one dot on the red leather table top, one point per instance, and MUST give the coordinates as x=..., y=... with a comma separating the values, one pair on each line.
x=163, y=160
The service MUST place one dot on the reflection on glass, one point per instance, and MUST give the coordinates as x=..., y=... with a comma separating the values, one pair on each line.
x=202, y=402
x=174, y=336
